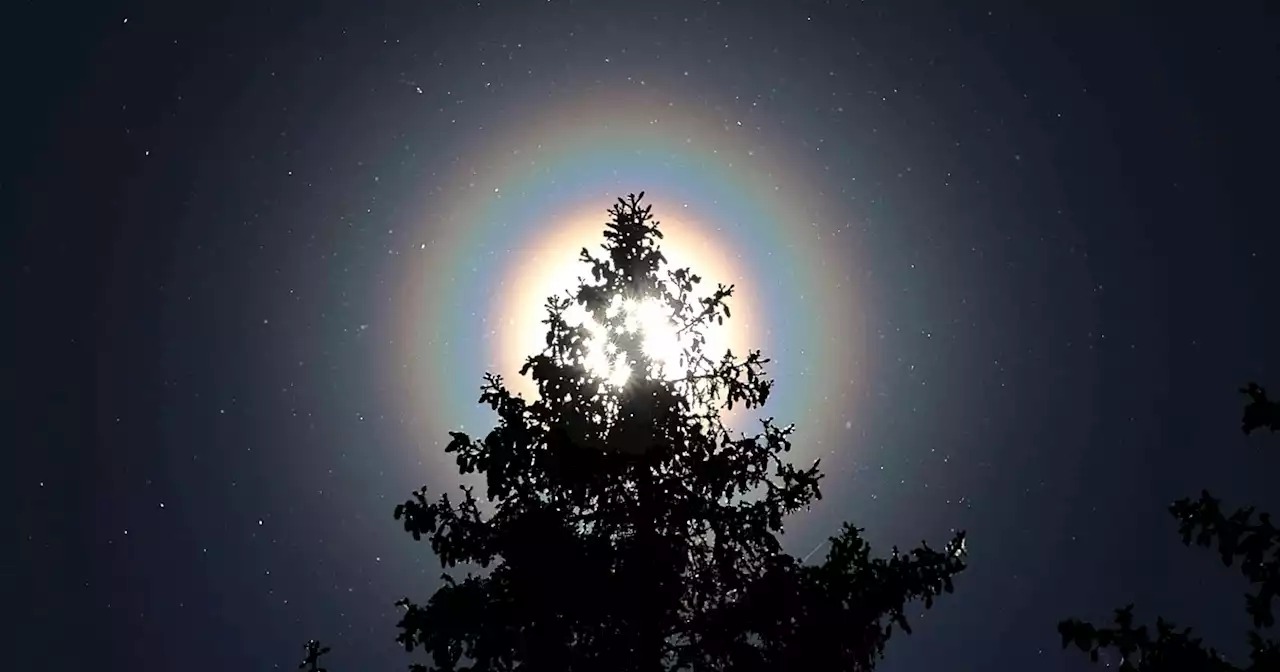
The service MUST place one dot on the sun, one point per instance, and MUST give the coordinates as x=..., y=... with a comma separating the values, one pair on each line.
x=550, y=267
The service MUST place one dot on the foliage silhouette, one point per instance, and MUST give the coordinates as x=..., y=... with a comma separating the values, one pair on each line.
x=1256, y=545
x=630, y=529
x=314, y=652
x=1260, y=411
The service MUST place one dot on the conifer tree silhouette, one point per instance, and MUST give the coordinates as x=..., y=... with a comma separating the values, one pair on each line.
x=632, y=531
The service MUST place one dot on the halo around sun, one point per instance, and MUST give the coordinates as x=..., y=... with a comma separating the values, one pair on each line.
x=551, y=266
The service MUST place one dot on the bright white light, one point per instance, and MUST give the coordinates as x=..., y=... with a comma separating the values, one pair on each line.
x=648, y=318
x=549, y=267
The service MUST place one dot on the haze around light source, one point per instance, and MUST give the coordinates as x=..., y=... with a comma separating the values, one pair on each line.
x=552, y=267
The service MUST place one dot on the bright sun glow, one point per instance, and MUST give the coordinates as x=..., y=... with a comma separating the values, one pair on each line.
x=659, y=338
x=551, y=267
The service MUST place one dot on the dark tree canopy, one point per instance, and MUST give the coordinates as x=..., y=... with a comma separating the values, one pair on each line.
x=1239, y=538
x=311, y=663
x=630, y=529
x=1260, y=412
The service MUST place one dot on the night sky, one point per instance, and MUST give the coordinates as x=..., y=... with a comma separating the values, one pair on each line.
x=1011, y=268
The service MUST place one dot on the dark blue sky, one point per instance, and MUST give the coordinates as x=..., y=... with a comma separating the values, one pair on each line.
x=1056, y=226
